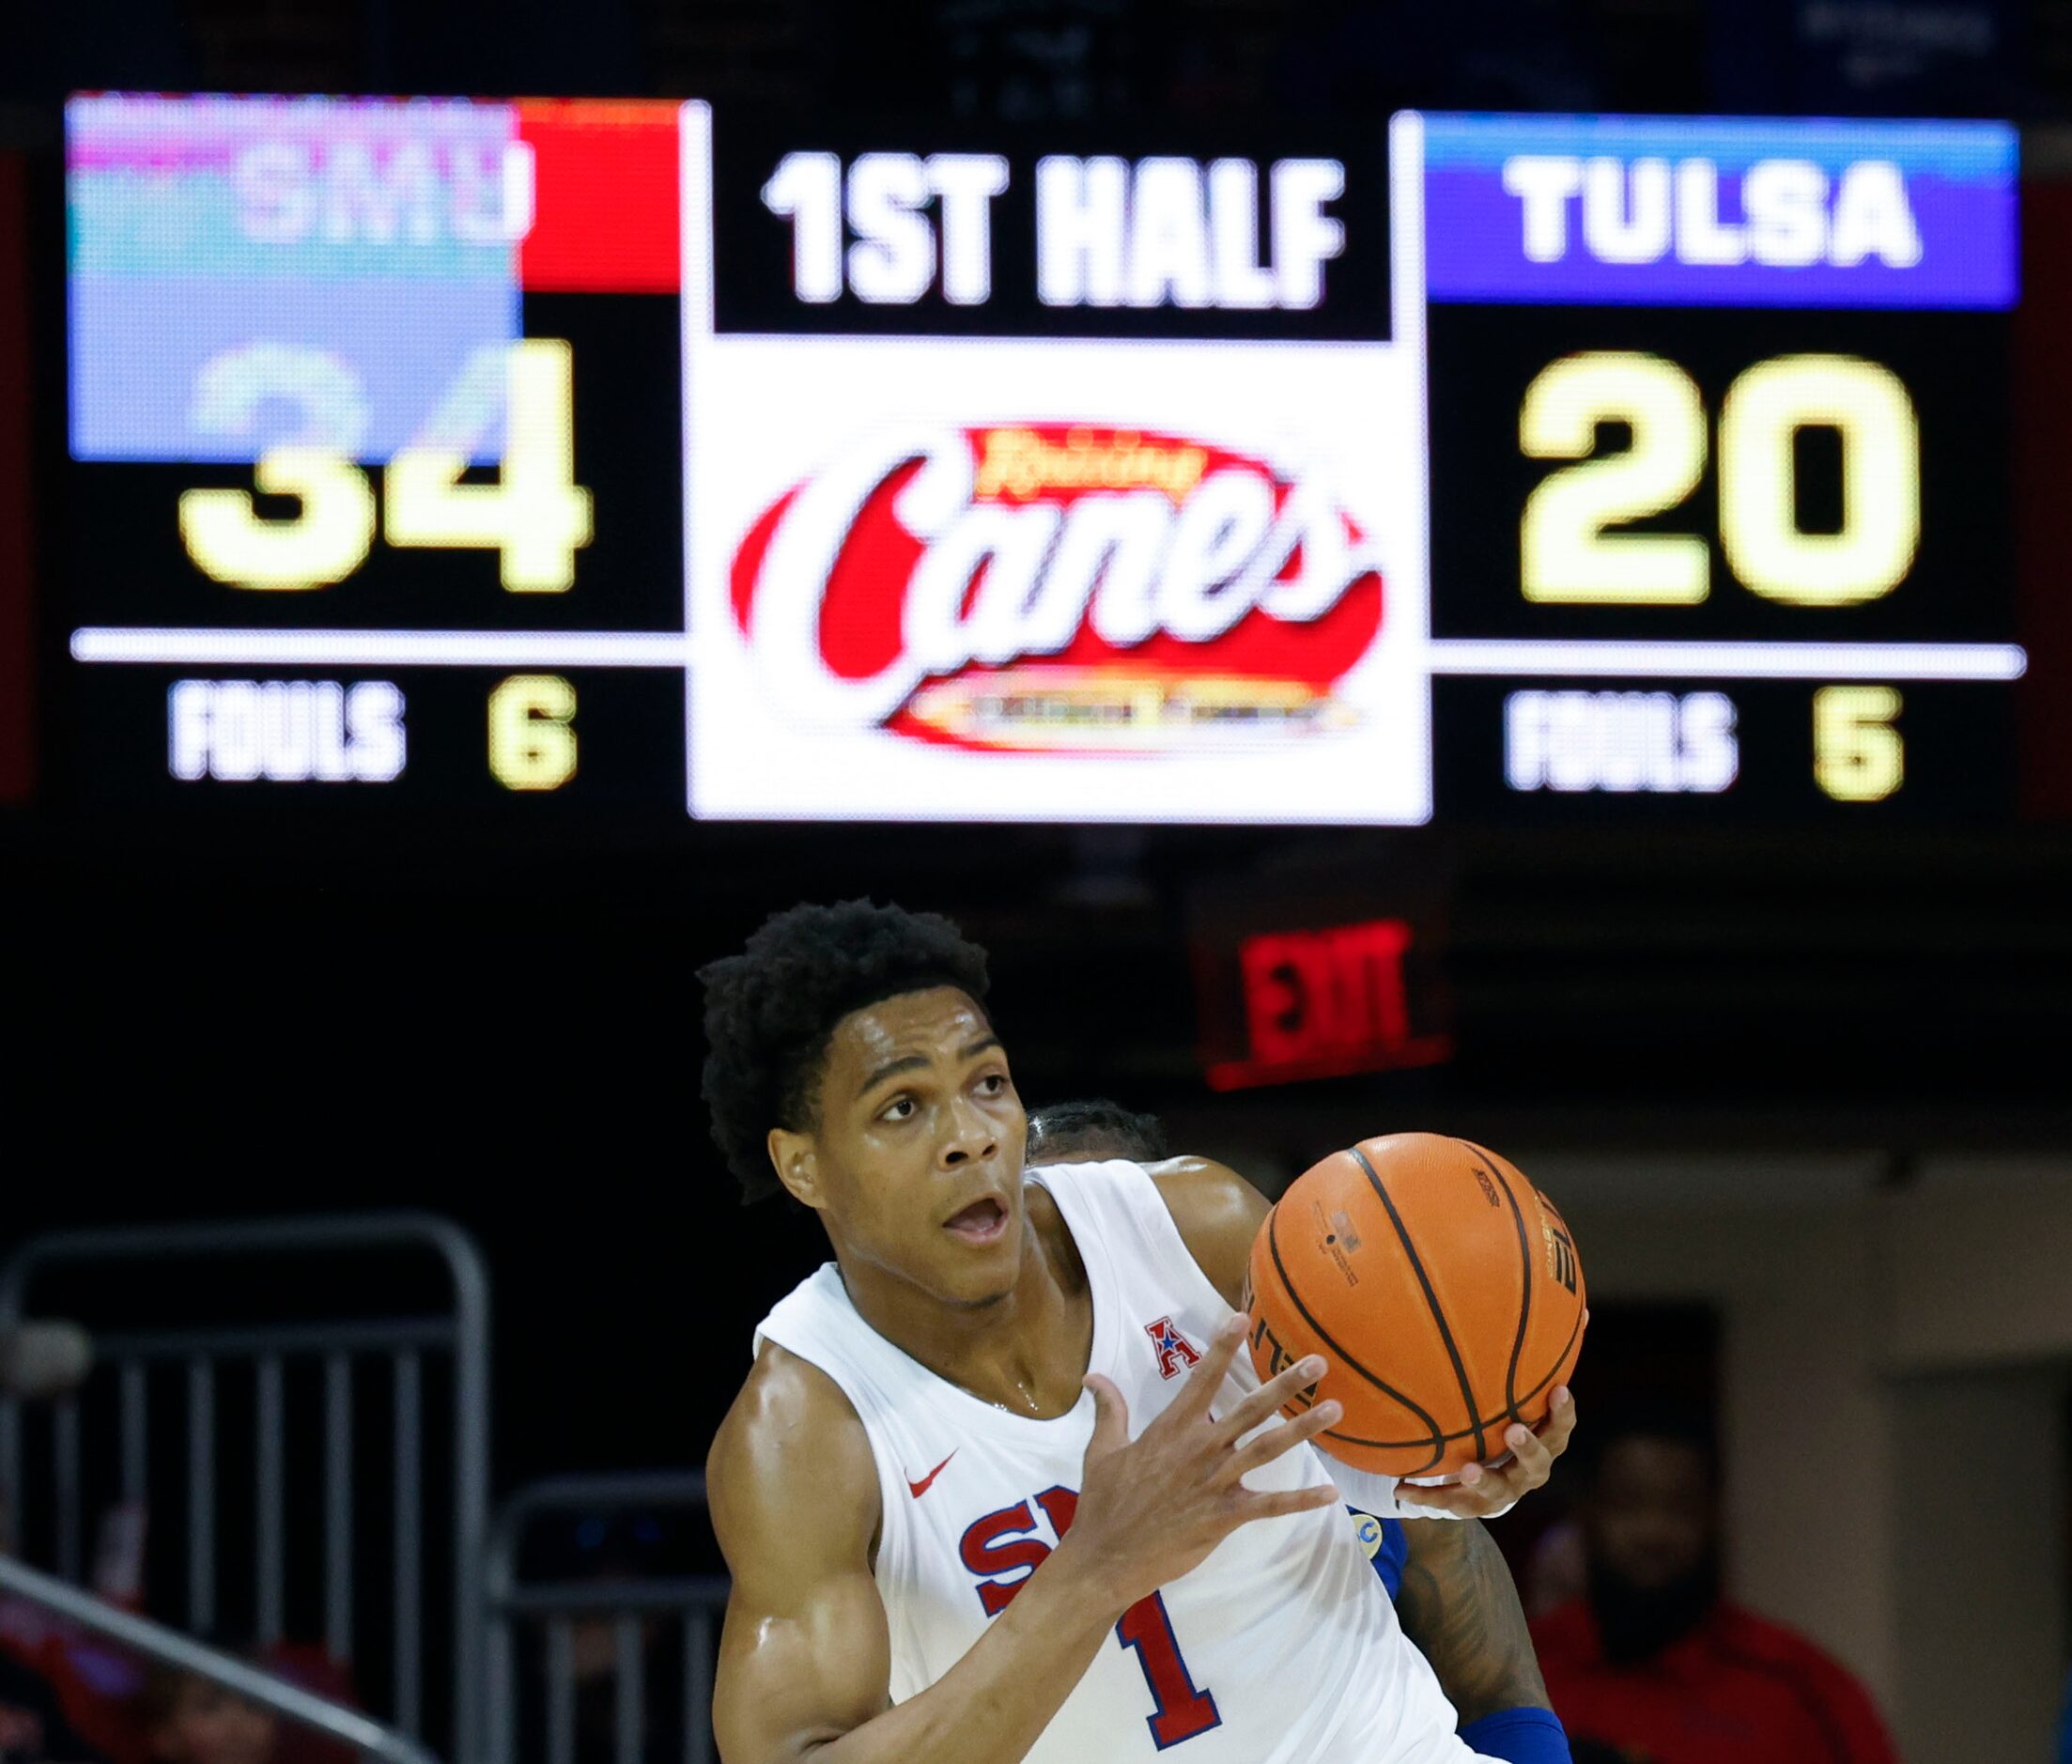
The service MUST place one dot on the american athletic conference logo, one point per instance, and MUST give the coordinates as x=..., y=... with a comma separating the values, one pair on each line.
x=1175, y=1351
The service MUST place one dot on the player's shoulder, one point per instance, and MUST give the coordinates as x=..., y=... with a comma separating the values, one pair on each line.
x=791, y=1448
x=1217, y=1212
x=1203, y=1194
x=787, y=1410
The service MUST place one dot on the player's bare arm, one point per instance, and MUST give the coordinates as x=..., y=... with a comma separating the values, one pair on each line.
x=1220, y=1214
x=1458, y=1604
x=805, y=1655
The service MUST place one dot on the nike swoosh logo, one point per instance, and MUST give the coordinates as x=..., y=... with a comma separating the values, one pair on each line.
x=921, y=1488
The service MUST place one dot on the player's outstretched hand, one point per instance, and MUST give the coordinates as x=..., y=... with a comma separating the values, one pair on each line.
x=1151, y=1508
x=1483, y=1490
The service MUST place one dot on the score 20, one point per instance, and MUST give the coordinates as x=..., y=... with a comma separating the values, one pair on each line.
x=1109, y=232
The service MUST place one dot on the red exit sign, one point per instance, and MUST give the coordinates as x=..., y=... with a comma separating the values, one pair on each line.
x=1330, y=1001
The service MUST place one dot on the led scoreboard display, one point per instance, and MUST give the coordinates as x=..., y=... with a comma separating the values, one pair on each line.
x=649, y=458
x=1719, y=419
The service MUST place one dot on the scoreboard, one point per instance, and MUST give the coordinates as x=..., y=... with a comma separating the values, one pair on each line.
x=660, y=459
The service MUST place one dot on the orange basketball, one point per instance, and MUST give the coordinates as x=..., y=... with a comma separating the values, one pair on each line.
x=1441, y=1289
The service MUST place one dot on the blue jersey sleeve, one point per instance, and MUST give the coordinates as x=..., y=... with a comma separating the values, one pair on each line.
x=1385, y=1544
x=1520, y=1736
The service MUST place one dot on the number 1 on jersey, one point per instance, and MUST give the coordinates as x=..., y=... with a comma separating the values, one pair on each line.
x=1183, y=1712
x=1003, y=1543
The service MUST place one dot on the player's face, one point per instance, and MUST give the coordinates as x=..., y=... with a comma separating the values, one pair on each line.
x=1651, y=1511
x=918, y=1154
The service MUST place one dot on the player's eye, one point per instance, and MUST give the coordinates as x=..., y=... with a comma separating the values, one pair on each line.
x=899, y=1108
x=993, y=1083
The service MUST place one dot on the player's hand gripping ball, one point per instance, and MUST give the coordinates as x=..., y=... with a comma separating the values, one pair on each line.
x=1442, y=1291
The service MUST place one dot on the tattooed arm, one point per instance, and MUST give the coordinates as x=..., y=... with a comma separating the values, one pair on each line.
x=1457, y=1605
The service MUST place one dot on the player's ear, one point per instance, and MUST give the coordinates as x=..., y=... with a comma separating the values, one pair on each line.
x=792, y=1157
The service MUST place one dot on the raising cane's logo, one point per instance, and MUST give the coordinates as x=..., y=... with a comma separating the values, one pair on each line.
x=1054, y=588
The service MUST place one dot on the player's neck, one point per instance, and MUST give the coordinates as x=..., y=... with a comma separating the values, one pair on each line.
x=1026, y=1351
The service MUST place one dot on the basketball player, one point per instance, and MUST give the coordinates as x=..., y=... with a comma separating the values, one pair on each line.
x=1000, y=1483
x=1456, y=1602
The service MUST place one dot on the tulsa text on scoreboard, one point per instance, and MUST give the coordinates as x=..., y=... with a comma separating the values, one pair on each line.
x=646, y=456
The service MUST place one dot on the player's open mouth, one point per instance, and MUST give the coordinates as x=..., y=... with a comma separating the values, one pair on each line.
x=979, y=1223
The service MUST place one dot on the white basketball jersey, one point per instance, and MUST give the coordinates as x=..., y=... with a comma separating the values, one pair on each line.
x=1281, y=1648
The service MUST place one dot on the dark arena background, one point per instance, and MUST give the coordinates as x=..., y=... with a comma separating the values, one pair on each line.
x=1504, y=575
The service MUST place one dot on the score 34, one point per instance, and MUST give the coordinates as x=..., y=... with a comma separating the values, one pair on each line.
x=536, y=517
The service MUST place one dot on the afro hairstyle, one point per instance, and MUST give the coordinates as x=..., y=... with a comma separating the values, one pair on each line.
x=1095, y=1127
x=770, y=1010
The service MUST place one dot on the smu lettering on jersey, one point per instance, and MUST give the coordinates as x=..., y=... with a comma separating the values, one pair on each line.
x=1281, y=1648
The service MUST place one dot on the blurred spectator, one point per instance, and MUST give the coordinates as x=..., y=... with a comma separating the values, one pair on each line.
x=115, y=1708
x=307, y=1665
x=179, y=1717
x=192, y=1720
x=33, y=1728
x=1557, y=1570
x=94, y=1681
x=615, y=1549
x=1653, y=1665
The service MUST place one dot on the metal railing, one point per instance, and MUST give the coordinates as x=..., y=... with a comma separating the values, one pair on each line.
x=330, y=1356
x=637, y=1611
x=154, y=1641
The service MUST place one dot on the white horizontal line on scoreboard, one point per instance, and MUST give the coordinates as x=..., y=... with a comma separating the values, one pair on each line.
x=1587, y=657
x=203, y=648
x=1546, y=657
